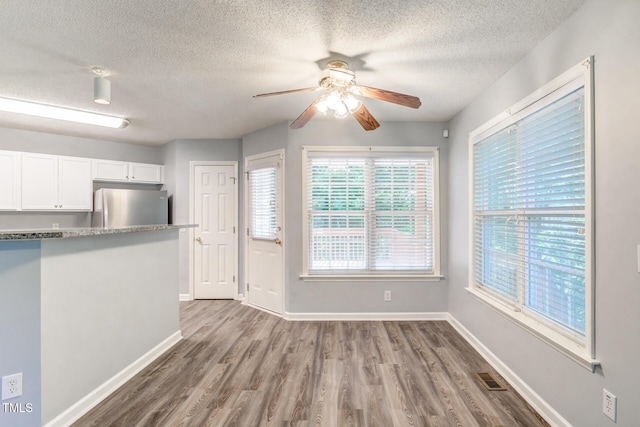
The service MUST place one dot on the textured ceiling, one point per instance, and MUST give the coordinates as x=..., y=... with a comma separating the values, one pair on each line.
x=189, y=68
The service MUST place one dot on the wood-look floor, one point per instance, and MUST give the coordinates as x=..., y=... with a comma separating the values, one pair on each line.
x=238, y=366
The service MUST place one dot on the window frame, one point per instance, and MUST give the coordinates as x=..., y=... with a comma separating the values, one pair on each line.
x=372, y=276
x=581, y=75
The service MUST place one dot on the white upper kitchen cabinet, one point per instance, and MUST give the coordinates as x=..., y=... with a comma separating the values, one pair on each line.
x=56, y=183
x=146, y=173
x=115, y=171
x=110, y=170
x=9, y=180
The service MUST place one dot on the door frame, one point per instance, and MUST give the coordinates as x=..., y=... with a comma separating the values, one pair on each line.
x=192, y=230
x=245, y=188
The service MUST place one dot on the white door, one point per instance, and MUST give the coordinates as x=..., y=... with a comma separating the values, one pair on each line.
x=265, y=252
x=214, y=242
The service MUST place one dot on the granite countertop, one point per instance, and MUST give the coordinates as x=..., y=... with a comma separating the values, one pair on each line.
x=62, y=233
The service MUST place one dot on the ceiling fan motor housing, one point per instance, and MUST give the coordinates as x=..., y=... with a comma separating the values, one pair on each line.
x=337, y=74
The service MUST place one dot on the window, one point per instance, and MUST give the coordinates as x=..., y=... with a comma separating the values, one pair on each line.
x=531, y=212
x=371, y=211
x=262, y=203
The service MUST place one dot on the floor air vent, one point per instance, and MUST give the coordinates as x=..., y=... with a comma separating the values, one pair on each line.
x=489, y=382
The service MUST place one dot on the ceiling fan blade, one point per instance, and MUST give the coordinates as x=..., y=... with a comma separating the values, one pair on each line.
x=364, y=117
x=387, y=95
x=306, y=89
x=305, y=116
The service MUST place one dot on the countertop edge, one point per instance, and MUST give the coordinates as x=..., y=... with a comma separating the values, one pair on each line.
x=63, y=233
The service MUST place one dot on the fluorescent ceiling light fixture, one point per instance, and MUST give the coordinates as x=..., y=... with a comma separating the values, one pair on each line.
x=61, y=113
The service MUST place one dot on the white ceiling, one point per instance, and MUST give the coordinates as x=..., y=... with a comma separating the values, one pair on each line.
x=189, y=68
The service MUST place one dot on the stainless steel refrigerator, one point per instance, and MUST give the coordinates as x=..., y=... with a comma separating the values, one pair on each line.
x=115, y=207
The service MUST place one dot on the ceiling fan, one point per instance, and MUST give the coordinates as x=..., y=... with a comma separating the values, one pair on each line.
x=340, y=83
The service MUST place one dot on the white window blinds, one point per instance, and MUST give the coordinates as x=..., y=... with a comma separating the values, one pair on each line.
x=529, y=211
x=370, y=212
x=263, y=205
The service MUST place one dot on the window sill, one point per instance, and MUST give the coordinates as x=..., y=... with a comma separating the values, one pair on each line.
x=572, y=350
x=370, y=277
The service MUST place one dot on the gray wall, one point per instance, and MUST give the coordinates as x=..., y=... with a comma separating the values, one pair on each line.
x=20, y=331
x=119, y=303
x=177, y=156
x=350, y=297
x=610, y=31
x=61, y=145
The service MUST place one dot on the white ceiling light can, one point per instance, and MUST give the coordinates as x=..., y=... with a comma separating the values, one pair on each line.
x=61, y=113
x=101, y=86
x=101, y=90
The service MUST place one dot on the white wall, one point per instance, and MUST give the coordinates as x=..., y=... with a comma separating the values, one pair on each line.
x=610, y=31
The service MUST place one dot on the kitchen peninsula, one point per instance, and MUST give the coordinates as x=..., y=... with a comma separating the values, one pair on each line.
x=83, y=310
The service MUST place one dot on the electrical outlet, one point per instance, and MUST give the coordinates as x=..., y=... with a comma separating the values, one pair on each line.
x=11, y=386
x=609, y=405
x=387, y=295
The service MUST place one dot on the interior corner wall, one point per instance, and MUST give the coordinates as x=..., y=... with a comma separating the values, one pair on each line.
x=609, y=31
x=178, y=156
x=362, y=296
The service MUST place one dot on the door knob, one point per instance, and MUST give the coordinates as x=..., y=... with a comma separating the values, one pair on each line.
x=198, y=239
x=277, y=241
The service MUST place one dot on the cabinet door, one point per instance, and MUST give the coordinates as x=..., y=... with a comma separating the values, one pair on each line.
x=75, y=187
x=9, y=180
x=39, y=182
x=143, y=172
x=110, y=170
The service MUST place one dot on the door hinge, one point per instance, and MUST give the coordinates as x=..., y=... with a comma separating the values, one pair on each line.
x=247, y=231
x=234, y=279
x=247, y=287
x=234, y=229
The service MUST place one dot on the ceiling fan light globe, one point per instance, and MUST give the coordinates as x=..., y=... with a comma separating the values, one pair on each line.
x=341, y=111
x=333, y=99
x=352, y=103
x=322, y=106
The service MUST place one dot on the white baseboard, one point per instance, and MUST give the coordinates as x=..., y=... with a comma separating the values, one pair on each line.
x=184, y=297
x=366, y=316
x=82, y=406
x=540, y=405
